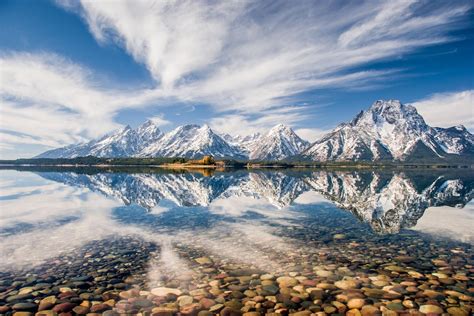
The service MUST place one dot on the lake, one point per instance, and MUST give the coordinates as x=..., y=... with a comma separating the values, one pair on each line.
x=254, y=242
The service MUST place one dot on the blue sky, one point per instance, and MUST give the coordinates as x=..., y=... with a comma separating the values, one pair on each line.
x=71, y=71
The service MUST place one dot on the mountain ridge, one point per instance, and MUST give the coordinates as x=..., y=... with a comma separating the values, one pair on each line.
x=187, y=141
x=386, y=131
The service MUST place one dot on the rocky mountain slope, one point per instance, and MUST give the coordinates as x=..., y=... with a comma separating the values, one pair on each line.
x=390, y=130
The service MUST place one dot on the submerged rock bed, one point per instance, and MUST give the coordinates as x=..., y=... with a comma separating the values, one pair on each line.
x=337, y=276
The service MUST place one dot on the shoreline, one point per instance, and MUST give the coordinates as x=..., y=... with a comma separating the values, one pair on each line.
x=247, y=166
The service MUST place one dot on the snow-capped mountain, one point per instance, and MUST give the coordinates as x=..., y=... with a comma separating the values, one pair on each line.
x=125, y=142
x=122, y=143
x=279, y=143
x=390, y=130
x=191, y=141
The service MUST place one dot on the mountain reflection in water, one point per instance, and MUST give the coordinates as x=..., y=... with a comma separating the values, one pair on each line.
x=387, y=201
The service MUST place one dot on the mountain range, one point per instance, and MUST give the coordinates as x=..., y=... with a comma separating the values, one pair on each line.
x=386, y=131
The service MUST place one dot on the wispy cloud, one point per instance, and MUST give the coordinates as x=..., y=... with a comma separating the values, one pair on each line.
x=247, y=55
x=448, y=109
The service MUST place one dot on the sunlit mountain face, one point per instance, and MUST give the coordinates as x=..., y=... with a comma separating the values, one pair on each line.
x=182, y=230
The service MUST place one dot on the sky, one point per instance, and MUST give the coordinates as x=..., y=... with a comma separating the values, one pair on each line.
x=71, y=71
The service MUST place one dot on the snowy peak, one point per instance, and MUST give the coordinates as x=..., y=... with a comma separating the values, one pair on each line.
x=244, y=142
x=191, y=141
x=149, y=131
x=280, y=128
x=279, y=143
x=389, y=130
x=392, y=112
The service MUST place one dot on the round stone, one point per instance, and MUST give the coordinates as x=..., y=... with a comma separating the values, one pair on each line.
x=356, y=303
x=24, y=306
x=203, y=260
x=285, y=281
x=370, y=310
x=185, y=300
x=395, y=306
x=163, y=311
x=45, y=313
x=457, y=311
x=431, y=309
x=329, y=309
x=80, y=310
x=324, y=273
x=408, y=304
x=267, y=277
x=64, y=307
x=216, y=307
x=346, y=284
x=99, y=308
x=353, y=312
x=163, y=291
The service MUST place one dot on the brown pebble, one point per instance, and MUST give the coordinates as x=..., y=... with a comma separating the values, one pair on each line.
x=99, y=308
x=63, y=307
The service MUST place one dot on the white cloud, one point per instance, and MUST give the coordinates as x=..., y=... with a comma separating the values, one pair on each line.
x=172, y=39
x=448, y=109
x=450, y=222
x=311, y=134
x=311, y=197
x=159, y=120
x=246, y=56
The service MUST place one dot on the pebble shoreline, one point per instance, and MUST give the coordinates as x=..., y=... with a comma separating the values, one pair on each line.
x=109, y=277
